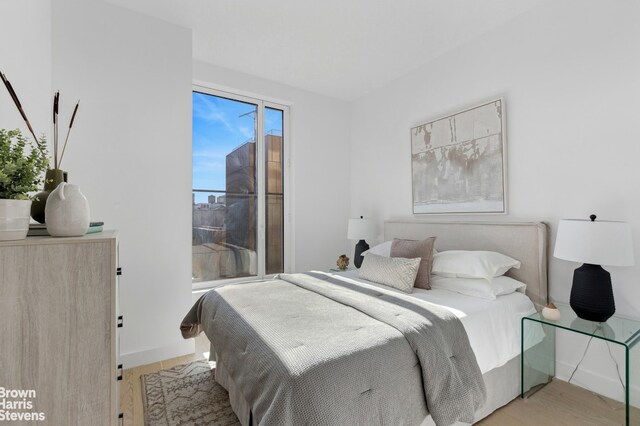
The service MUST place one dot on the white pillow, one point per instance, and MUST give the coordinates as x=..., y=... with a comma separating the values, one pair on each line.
x=472, y=264
x=479, y=287
x=396, y=272
x=382, y=249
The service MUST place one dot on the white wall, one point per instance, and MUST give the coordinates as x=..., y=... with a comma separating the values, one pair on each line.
x=320, y=163
x=25, y=58
x=130, y=152
x=569, y=74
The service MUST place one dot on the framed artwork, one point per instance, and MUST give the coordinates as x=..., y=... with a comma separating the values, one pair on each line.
x=458, y=162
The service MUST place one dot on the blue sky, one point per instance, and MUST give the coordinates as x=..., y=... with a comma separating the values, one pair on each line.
x=217, y=130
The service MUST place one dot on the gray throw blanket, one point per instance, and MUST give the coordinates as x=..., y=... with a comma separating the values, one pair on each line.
x=311, y=349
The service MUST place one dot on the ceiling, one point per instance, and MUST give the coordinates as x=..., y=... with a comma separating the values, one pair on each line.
x=339, y=48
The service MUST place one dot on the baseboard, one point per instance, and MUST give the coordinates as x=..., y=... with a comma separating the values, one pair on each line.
x=134, y=359
x=598, y=383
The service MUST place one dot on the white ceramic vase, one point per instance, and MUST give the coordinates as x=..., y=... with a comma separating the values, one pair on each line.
x=67, y=211
x=552, y=314
x=14, y=219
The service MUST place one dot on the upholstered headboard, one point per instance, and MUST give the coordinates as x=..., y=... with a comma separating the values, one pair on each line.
x=526, y=242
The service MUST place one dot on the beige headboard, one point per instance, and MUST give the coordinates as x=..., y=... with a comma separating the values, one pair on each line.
x=526, y=242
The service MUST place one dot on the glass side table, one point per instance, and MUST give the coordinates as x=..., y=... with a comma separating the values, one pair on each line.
x=538, y=344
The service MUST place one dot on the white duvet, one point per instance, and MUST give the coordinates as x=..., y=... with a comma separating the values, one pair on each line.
x=493, y=326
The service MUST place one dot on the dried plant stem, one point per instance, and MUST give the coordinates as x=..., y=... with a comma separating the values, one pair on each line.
x=14, y=96
x=64, y=147
x=56, y=100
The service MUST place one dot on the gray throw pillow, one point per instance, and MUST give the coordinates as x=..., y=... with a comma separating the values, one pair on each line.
x=396, y=272
x=412, y=249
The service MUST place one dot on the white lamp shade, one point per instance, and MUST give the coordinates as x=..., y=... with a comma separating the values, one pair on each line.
x=596, y=242
x=361, y=229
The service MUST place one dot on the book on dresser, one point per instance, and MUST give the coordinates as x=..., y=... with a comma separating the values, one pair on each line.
x=58, y=304
x=40, y=229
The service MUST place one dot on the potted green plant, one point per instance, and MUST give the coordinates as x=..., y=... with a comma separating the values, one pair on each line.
x=21, y=167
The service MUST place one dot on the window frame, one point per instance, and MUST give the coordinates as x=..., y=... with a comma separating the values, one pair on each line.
x=262, y=103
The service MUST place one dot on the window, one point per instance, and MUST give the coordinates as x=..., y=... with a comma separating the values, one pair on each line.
x=239, y=224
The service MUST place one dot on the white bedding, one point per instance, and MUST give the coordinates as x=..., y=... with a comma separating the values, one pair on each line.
x=493, y=326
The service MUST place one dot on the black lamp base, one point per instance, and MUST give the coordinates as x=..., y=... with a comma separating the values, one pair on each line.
x=591, y=293
x=361, y=247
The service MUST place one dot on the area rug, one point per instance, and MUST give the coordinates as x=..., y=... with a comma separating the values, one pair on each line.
x=186, y=395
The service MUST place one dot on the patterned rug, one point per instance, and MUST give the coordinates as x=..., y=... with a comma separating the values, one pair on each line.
x=186, y=395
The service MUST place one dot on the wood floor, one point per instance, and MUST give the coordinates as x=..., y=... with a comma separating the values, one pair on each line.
x=558, y=403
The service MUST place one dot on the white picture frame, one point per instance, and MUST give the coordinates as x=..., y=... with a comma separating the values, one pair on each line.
x=459, y=162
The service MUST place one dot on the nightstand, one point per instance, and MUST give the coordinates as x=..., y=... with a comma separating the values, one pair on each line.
x=340, y=270
x=538, y=341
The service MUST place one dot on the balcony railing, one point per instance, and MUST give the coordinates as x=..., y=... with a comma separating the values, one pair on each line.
x=224, y=235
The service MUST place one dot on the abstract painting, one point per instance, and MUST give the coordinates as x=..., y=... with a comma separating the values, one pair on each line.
x=458, y=162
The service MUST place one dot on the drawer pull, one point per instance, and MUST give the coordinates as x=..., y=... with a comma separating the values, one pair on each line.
x=121, y=419
x=119, y=371
x=120, y=322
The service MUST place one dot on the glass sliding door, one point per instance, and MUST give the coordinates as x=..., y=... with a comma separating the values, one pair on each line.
x=274, y=197
x=238, y=188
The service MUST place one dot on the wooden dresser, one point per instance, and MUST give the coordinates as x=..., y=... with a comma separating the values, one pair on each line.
x=58, y=332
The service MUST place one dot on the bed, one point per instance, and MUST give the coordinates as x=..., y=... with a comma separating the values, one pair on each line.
x=307, y=349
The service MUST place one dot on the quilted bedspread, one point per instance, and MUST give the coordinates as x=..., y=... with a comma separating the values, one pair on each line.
x=312, y=349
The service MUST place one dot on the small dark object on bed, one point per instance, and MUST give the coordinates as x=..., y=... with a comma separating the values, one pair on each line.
x=343, y=262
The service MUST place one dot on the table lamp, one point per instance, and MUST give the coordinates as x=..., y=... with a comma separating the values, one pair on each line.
x=361, y=229
x=593, y=243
